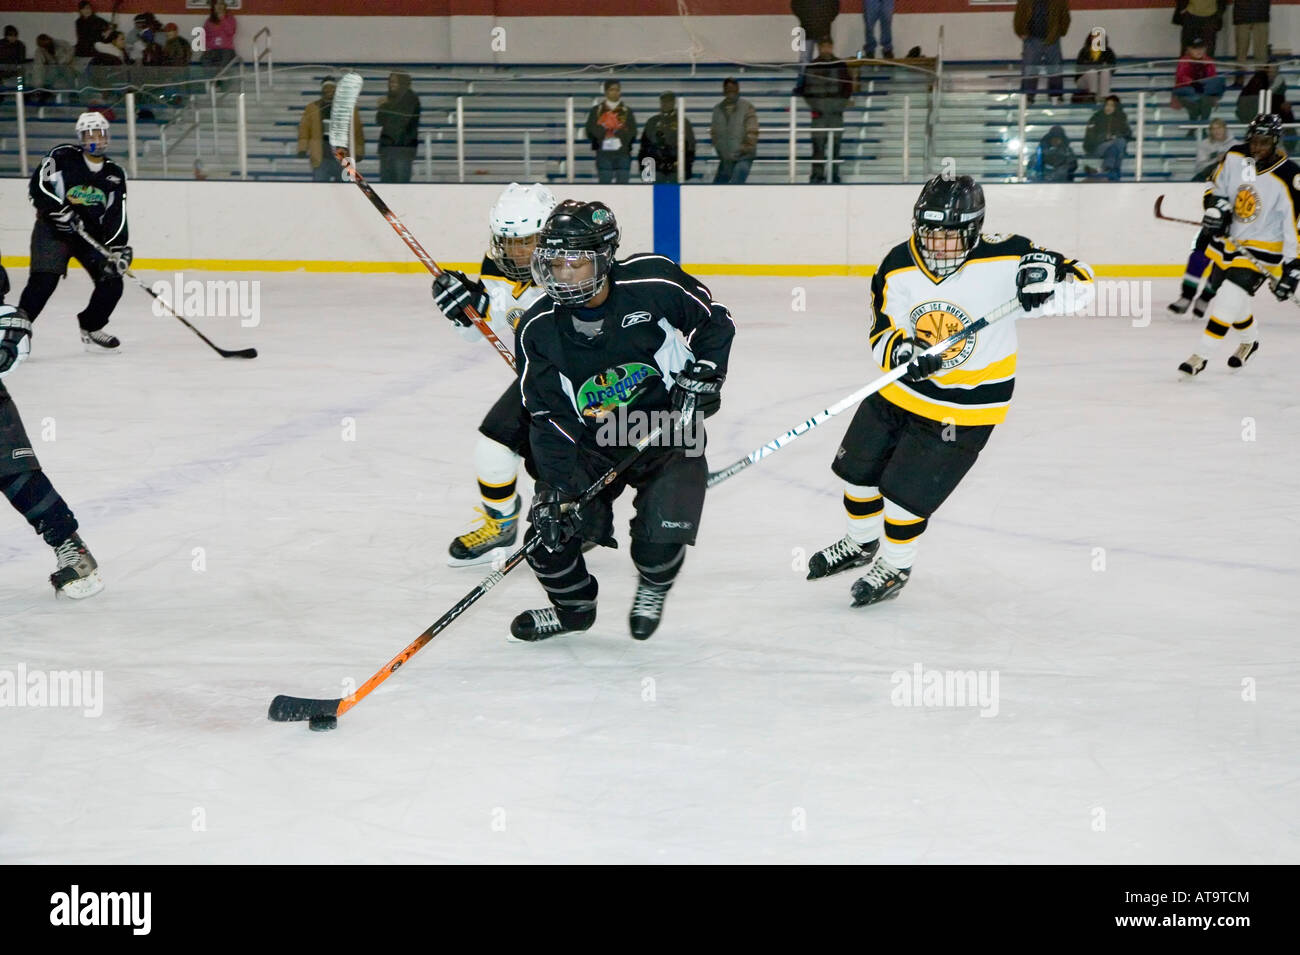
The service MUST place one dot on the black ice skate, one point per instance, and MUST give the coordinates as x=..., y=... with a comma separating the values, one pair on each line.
x=844, y=554
x=1243, y=354
x=482, y=545
x=534, y=625
x=99, y=342
x=647, y=609
x=1180, y=307
x=78, y=574
x=1193, y=366
x=884, y=581
x=1202, y=306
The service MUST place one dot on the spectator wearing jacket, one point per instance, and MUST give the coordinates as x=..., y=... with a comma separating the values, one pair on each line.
x=828, y=90
x=1203, y=18
x=1197, y=84
x=1265, y=78
x=1040, y=24
x=13, y=54
x=1211, y=149
x=659, y=142
x=611, y=130
x=733, y=128
x=1250, y=24
x=1096, y=60
x=91, y=29
x=1054, y=160
x=398, y=117
x=176, y=50
x=313, y=133
x=1106, y=137
x=52, y=67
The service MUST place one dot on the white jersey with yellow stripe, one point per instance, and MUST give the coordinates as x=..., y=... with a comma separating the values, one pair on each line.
x=507, y=302
x=1264, y=204
x=974, y=385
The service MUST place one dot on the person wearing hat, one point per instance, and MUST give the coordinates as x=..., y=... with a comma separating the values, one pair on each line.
x=611, y=129
x=176, y=50
x=659, y=143
x=313, y=136
x=1197, y=85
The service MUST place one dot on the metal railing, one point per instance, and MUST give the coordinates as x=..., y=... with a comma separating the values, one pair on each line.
x=262, y=51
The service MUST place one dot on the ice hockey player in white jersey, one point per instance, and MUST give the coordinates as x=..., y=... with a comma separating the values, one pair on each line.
x=502, y=294
x=1251, y=205
x=910, y=444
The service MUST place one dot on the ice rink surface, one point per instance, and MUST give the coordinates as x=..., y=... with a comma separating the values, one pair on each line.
x=1123, y=558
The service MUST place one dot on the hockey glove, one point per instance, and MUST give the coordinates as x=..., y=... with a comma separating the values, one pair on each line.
x=908, y=351
x=1218, y=216
x=64, y=219
x=453, y=291
x=1037, y=277
x=15, y=338
x=697, y=387
x=117, y=262
x=1286, y=285
x=555, y=516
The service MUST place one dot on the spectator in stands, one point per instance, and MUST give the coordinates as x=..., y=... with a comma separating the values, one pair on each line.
x=611, y=129
x=1106, y=137
x=659, y=142
x=52, y=66
x=144, y=28
x=734, y=131
x=13, y=54
x=1197, y=85
x=218, y=36
x=1211, y=149
x=1054, y=160
x=1096, y=60
x=882, y=12
x=1041, y=24
x=176, y=51
x=111, y=51
x=1250, y=23
x=91, y=28
x=815, y=18
x=1265, y=78
x=313, y=136
x=1203, y=18
x=399, y=129
x=828, y=90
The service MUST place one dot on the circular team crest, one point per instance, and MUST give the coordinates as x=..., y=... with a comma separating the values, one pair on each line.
x=1246, y=207
x=935, y=321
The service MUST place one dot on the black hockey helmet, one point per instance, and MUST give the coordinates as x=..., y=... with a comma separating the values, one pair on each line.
x=575, y=233
x=947, y=205
x=1267, y=125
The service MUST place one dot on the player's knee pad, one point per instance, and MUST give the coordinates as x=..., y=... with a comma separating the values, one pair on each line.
x=1232, y=304
x=494, y=463
x=658, y=563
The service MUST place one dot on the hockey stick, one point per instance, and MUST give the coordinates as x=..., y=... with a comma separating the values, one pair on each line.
x=776, y=444
x=345, y=100
x=287, y=709
x=223, y=352
x=1244, y=250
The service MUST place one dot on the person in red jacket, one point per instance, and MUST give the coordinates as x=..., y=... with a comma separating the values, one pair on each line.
x=218, y=36
x=1197, y=85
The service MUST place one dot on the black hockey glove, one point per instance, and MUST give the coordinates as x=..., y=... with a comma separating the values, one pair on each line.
x=1286, y=285
x=453, y=291
x=1038, y=276
x=697, y=387
x=15, y=337
x=117, y=262
x=64, y=219
x=1218, y=216
x=555, y=516
x=908, y=351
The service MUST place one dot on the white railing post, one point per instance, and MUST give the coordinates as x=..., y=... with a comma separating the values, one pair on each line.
x=460, y=139
x=1022, y=159
x=794, y=130
x=132, y=166
x=22, y=132
x=907, y=137
x=681, y=133
x=242, y=135
x=1142, y=131
x=216, y=133
x=568, y=140
x=428, y=155
x=162, y=136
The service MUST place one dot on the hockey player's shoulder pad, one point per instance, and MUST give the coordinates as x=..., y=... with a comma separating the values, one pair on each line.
x=993, y=244
x=490, y=270
x=899, y=257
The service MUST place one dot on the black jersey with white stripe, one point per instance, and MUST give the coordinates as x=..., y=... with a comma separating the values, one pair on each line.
x=656, y=319
x=98, y=195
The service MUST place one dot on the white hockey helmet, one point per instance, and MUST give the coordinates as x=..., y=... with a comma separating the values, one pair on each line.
x=91, y=122
x=518, y=214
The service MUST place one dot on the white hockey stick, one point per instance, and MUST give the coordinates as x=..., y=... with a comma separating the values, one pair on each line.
x=776, y=444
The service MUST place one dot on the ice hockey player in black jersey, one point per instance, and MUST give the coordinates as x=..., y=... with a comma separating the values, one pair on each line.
x=910, y=444
x=76, y=185
x=23, y=482
x=616, y=349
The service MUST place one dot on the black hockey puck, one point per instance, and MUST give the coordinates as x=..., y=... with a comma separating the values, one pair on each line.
x=321, y=723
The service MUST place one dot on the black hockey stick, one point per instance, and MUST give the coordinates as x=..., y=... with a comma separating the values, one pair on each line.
x=340, y=135
x=223, y=352
x=287, y=709
x=776, y=444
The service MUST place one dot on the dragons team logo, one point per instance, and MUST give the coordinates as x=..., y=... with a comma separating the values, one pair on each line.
x=613, y=388
x=86, y=196
x=935, y=321
x=1246, y=207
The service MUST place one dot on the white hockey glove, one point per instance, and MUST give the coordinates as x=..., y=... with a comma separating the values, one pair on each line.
x=15, y=338
x=1038, y=277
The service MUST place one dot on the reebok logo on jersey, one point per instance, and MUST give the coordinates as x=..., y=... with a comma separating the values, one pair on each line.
x=635, y=318
x=677, y=525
